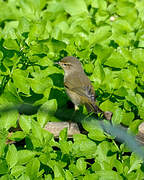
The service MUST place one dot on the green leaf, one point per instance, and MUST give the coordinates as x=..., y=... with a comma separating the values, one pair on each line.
x=134, y=126
x=139, y=7
x=97, y=135
x=12, y=156
x=116, y=60
x=37, y=135
x=95, y=132
x=74, y=7
x=8, y=120
x=117, y=116
x=40, y=85
x=128, y=10
x=10, y=94
x=25, y=123
x=38, y=73
x=98, y=74
x=118, y=165
x=89, y=68
x=5, y=177
x=122, y=32
x=46, y=111
x=74, y=170
x=11, y=44
x=24, y=25
x=101, y=34
x=20, y=78
x=65, y=146
x=138, y=58
x=4, y=70
x=136, y=99
x=120, y=116
x=99, y=4
x=96, y=166
x=17, y=171
x=17, y=136
x=32, y=168
x=4, y=167
x=129, y=78
x=6, y=15
x=3, y=138
x=135, y=163
x=58, y=172
x=102, y=52
x=24, y=156
x=102, y=151
x=121, y=92
x=68, y=175
x=141, y=111
x=24, y=177
x=108, y=106
x=137, y=55
x=81, y=165
x=63, y=134
x=127, y=118
x=104, y=175
x=9, y=34
x=83, y=146
x=127, y=106
x=48, y=177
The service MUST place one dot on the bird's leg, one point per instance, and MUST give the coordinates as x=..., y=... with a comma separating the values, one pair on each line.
x=75, y=109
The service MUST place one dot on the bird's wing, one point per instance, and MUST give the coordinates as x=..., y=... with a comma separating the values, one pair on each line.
x=81, y=85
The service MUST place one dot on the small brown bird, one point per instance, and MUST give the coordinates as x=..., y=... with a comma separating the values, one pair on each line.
x=79, y=87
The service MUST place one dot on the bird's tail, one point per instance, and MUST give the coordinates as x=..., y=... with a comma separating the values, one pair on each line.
x=92, y=107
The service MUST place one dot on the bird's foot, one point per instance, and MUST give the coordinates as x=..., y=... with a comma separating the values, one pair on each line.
x=108, y=115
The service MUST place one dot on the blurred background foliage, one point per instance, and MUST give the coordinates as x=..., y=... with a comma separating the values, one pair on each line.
x=107, y=36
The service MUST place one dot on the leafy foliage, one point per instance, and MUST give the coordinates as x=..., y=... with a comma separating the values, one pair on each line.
x=108, y=38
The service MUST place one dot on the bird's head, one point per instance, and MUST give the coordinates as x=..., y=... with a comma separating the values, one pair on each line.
x=70, y=64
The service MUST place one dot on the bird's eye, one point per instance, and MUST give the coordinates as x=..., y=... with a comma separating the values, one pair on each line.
x=64, y=64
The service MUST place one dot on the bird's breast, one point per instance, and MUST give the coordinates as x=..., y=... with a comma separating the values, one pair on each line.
x=75, y=98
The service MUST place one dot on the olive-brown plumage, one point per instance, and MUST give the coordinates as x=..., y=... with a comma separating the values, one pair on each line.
x=78, y=85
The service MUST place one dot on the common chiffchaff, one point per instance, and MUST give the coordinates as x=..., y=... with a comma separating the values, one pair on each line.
x=79, y=87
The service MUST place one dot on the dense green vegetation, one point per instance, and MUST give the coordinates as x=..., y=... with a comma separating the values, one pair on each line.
x=108, y=38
